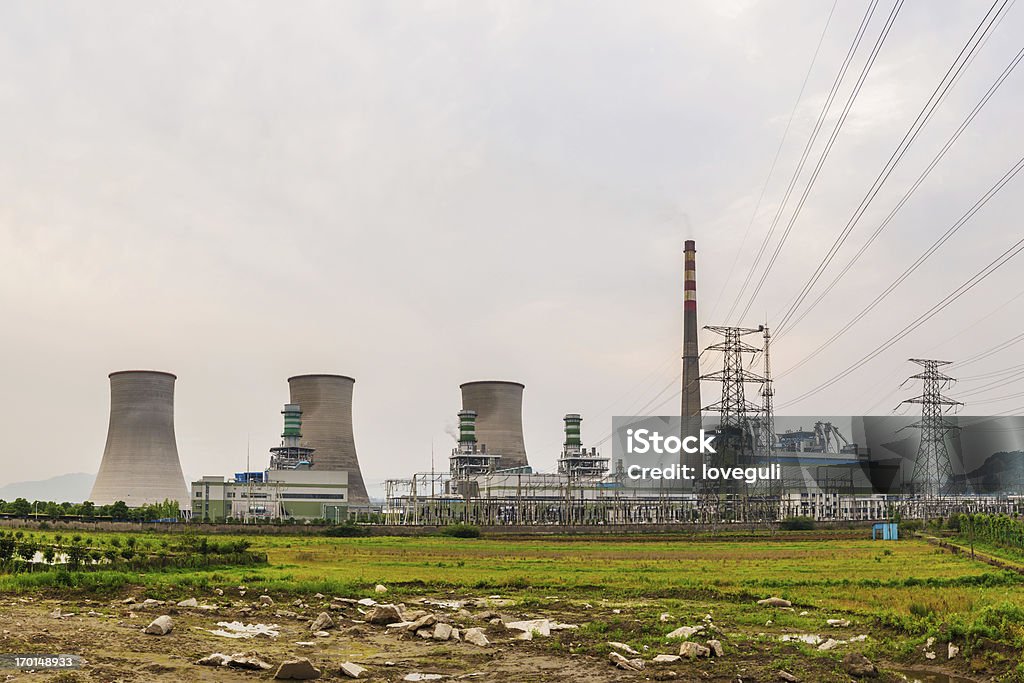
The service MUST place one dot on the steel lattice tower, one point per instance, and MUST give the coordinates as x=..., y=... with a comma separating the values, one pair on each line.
x=932, y=468
x=734, y=408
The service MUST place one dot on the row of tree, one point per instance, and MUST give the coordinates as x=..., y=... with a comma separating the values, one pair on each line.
x=119, y=511
x=997, y=529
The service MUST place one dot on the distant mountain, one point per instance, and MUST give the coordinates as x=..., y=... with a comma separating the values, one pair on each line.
x=72, y=488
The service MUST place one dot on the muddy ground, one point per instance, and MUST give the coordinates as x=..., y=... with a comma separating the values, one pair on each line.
x=108, y=634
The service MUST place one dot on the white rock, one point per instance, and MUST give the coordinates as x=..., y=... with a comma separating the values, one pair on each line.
x=692, y=650
x=666, y=658
x=685, y=632
x=775, y=602
x=323, y=621
x=160, y=626
x=829, y=644
x=952, y=651
x=442, y=631
x=266, y=600
x=191, y=602
x=716, y=648
x=929, y=655
x=367, y=602
x=352, y=670
x=622, y=647
x=838, y=623
x=476, y=637
x=380, y=589
x=538, y=626
x=422, y=677
x=625, y=664
x=665, y=617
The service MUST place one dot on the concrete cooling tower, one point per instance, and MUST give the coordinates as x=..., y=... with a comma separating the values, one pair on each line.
x=326, y=402
x=499, y=421
x=140, y=461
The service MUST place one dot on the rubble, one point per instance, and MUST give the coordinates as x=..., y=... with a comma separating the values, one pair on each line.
x=160, y=626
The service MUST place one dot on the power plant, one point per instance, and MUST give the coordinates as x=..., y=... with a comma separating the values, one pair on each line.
x=326, y=403
x=140, y=463
x=499, y=418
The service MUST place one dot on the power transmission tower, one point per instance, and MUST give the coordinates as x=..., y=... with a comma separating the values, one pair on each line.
x=734, y=442
x=932, y=468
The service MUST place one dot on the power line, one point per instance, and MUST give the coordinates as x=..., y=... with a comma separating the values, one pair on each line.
x=825, y=153
x=775, y=160
x=968, y=285
x=992, y=191
x=830, y=98
x=922, y=119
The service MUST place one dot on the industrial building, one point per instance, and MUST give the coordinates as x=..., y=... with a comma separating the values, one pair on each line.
x=289, y=489
x=140, y=464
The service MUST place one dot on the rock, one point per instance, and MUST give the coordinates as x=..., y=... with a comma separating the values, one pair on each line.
x=625, y=664
x=218, y=591
x=399, y=625
x=685, y=632
x=321, y=634
x=952, y=651
x=322, y=622
x=300, y=669
x=267, y=600
x=384, y=614
x=456, y=635
x=160, y=626
x=425, y=620
x=539, y=626
x=716, y=648
x=802, y=614
x=216, y=659
x=476, y=637
x=128, y=601
x=829, y=644
x=858, y=665
x=422, y=677
x=666, y=659
x=664, y=617
x=442, y=631
x=191, y=602
x=928, y=643
x=56, y=614
x=352, y=670
x=838, y=623
x=929, y=655
x=775, y=602
x=691, y=650
x=150, y=602
x=380, y=589
x=622, y=647
x=319, y=596
x=786, y=676
x=366, y=602
x=425, y=633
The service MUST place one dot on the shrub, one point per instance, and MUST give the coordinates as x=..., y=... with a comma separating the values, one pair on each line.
x=461, y=531
x=797, y=524
x=346, y=530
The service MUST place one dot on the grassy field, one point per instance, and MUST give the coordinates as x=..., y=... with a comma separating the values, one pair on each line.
x=900, y=593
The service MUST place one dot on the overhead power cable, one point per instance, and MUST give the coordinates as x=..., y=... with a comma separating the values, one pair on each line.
x=923, y=117
x=865, y=71
x=829, y=99
x=967, y=286
x=992, y=191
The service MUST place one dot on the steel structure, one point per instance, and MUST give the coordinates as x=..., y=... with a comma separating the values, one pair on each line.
x=140, y=463
x=932, y=469
x=326, y=403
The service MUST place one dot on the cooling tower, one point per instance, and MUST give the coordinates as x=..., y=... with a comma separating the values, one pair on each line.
x=140, y=461
x=326, y=402
x=499, y=421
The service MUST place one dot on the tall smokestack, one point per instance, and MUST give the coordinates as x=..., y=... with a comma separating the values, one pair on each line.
x=140, y=463
x=326, y=403
x=499, y=421
x=691, y=353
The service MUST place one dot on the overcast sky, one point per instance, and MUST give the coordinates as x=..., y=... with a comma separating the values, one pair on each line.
x=419, y=195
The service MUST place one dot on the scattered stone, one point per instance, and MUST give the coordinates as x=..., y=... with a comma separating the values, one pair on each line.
x=691, y=650
x=218, y=591
x=380, y=589
x=622, y=647
x=56, y=614
x=664, y=617
x=775, y=602
x=160, y=626
x=236, y=629
x=685, y=632
x=424, y=621
x=716, y=648
x=425, y=633
x=352, y=670
x=442, y=631
x=476, y=637
x=190, y=602
x=539, y=626
x=384, y=614
x=267, y=600
x=666, y=659
x=249, y=661
x=216, y=659
x=786, y=676
x=928, y=643
x=809, y=638
x=128, y=601
x=300, y=669
x=422, y=677
x=952, y=651
x=929, y=655
x=150, y=602
x=802, y=614
x=319, y=596
x=322, y=622
x=456, y=635
x=321, y=634
x=858, y=665
x=838, y=623
x=625, y=664
x=366, y=602
x=829, y=644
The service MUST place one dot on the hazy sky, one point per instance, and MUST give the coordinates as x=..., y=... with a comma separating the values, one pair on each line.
x=418, y=195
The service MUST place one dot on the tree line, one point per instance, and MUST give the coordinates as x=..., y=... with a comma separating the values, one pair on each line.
x=119, y=511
